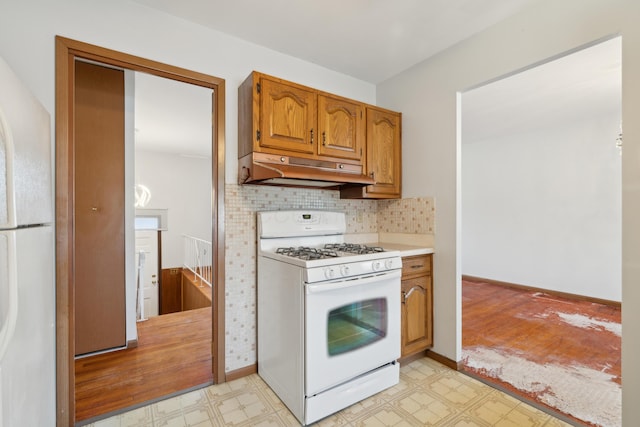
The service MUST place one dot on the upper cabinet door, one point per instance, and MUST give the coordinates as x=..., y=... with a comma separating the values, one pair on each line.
x=383, y=152
x=288, y=117
x=340, y=128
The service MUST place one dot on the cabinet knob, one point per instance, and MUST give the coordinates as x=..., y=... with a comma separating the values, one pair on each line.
x=341, y=166
x=283, y=159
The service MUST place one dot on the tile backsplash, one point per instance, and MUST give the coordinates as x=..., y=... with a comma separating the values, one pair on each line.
x=241, y=204
x=413, y=216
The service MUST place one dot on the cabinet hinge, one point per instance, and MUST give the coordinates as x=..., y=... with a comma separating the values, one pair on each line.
x=258, y=87
x=258, y=135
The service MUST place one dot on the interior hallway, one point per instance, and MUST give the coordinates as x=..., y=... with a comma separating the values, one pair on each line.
x=173, y=354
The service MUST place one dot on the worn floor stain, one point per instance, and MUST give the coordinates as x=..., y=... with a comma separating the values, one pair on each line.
x=561, y=353
x=580, y=391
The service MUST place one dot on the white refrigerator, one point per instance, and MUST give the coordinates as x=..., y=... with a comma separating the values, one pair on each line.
x=27, y=269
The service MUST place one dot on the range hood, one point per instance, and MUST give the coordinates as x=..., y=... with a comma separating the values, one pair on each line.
x=273, y=169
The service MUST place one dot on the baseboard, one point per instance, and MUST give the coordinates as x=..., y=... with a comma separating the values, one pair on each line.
x=242, y=372
x=410, y=358
x=566, y=295
x=449, y=363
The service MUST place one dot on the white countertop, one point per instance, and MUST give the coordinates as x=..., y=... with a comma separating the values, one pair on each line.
x=419, y=244
x=405, y=250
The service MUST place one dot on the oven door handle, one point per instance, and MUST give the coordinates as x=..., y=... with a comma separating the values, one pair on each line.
x=349, y=283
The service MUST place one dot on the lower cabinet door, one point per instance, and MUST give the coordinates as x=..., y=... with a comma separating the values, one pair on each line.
x=416, y=315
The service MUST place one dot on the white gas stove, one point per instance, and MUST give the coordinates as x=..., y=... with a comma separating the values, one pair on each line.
x=328, y=313
x=314, y=240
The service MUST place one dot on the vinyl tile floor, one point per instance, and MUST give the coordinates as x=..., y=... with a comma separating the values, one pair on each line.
x=429, y=394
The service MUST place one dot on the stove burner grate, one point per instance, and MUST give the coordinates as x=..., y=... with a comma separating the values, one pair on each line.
x=330, y=250
x=353, y=248
x=307, y=253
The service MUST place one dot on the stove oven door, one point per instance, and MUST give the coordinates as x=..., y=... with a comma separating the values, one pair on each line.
x=352, y=327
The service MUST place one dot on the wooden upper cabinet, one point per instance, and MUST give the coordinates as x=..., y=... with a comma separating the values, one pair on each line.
x=281, y=122
x=383, y=152
x=340, y=127
x=284, y=118
x=287, y=117
x=383, y=158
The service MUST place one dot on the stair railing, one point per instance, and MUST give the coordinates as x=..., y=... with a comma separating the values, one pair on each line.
x=197, y=258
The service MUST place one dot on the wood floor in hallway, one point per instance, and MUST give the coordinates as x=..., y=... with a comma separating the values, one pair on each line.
x=173, y=354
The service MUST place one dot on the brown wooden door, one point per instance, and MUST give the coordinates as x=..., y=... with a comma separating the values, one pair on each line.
x=287, y=117
x=99, y=254
x=340, y=128
x=383, y=152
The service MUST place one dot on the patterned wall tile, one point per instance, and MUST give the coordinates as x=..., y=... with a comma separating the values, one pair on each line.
x=241, y=204
x=414, y=216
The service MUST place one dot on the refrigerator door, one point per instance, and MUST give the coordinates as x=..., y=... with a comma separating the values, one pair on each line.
x=27, y=369
x=25, y=155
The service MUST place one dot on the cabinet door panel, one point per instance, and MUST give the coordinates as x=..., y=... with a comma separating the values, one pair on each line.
x=288, y=117
x=383, y=152
x=416, y=296
x=340, y=128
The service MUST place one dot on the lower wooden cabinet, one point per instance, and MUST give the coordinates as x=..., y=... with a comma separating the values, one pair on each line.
x=417, y=304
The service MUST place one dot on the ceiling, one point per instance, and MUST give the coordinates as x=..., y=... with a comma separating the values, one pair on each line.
x=387, y=37
x=585, y=84
x=371, y=40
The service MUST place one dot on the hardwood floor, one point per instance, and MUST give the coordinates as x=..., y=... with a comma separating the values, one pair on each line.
x=547, y=336
x=173, y=354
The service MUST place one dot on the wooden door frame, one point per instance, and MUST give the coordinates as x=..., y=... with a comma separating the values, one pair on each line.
x=67, y=51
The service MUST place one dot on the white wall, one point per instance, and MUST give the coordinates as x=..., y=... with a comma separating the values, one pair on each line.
x=28, y=28
x=182, y=185
x=428, y=96
x=543, y=208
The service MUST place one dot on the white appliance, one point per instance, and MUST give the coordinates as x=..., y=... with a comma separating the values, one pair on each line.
x=27, y=295
x=328, y=313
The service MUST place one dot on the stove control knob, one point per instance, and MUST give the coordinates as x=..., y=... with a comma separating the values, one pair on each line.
x=388, y=264
x=376, y=265
x=344, y=270
x=329, y=273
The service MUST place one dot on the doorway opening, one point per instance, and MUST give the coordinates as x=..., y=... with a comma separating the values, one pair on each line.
x=540, y=209
x=68, y=52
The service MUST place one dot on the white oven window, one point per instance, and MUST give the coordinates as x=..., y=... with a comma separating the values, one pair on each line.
x=356, y=325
